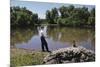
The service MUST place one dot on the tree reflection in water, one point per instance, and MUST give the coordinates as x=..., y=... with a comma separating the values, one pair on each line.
x=58, y=37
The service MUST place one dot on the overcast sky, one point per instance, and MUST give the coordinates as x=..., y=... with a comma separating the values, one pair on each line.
x=41, y=7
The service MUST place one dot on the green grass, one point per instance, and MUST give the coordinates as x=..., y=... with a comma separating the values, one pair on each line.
x=20, y=57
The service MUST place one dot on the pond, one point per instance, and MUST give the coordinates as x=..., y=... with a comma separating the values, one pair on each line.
x=57, y=37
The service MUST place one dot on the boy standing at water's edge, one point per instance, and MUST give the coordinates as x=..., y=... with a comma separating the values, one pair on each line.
x=44, y=44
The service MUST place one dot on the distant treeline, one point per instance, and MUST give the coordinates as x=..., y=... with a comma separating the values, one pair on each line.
x=22, y=17
x=69, y=16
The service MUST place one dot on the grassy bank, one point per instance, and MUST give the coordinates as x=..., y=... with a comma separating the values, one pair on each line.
x=23, y=57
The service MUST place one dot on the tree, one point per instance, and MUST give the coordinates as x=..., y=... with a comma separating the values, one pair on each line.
x=22, y=17
x=91, y=19
x=52, y=16
x=49, y=16
x=63, y=11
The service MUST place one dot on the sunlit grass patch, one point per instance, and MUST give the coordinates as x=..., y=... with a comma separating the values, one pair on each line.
x=27, y=58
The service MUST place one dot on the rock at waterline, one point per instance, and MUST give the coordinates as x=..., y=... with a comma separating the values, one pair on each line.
x=69, y=55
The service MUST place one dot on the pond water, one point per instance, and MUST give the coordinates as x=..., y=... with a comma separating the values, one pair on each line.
x=57, y=37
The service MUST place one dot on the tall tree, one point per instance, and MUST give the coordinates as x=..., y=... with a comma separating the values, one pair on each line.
x=54, y=14
x=63, y=11
x=91, y=19
x=22, y=17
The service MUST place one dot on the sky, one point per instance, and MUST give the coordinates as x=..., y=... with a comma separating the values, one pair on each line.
x=41, y=7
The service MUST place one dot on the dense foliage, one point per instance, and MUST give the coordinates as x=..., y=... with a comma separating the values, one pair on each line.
x=52, y=16
x=71, y=16
x=22, y=17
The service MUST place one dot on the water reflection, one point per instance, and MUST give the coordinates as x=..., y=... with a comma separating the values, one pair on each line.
x=57, y=37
